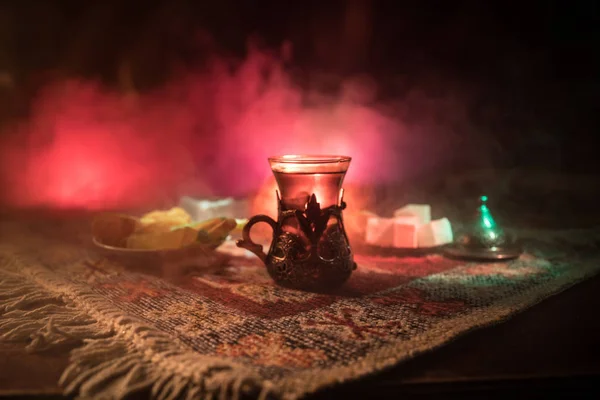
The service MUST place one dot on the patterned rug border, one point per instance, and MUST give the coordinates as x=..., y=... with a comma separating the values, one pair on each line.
x=389, y=355
x=169, y=367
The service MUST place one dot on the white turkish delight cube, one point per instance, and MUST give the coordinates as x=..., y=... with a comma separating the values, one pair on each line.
x=435, y=233
x=405, y=231
x=421, y=211
x=380, y=231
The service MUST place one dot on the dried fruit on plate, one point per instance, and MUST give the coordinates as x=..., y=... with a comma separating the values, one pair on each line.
x=160, y=230
x=216, y=231
x=114, y=229
x=162, y=240
x=164, y=221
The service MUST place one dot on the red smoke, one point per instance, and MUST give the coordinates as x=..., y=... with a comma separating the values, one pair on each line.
x=204, y=133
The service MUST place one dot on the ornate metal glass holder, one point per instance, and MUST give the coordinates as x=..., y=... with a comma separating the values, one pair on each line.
x=310, y=249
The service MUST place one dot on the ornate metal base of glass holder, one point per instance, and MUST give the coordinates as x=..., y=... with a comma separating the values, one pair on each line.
x=309, y=250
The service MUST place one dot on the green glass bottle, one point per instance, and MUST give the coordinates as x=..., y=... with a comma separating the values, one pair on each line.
x=484, y=239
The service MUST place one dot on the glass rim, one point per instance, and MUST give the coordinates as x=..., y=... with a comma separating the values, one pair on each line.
x=309, y=159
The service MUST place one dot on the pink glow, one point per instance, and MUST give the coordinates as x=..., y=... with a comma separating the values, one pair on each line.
x=204, y=133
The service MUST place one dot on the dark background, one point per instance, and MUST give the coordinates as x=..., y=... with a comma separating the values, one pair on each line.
x=527, y=71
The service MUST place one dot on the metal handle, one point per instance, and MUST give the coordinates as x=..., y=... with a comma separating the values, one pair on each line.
x=247, y=242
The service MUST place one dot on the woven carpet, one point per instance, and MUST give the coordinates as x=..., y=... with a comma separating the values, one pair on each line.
x=235, y=332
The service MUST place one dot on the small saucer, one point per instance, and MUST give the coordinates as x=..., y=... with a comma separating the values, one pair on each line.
x=203, y=258
x=370, y=249
x=503, y=253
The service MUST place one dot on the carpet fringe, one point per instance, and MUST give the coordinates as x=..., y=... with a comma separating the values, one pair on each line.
x=117, y=355
x=30, y=314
